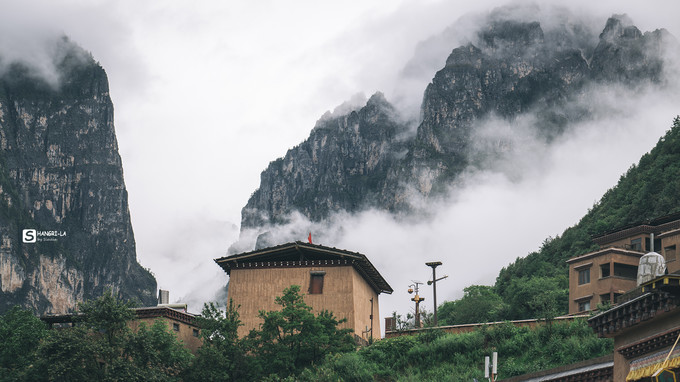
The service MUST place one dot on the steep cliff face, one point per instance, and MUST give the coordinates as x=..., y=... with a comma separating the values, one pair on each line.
x=511, y=68
x=346, y=156
x=61, y=175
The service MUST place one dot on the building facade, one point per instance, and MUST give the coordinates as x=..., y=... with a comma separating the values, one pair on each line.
x=645, y=326
x=340, y=281
x=602, y=276
x=180, y=323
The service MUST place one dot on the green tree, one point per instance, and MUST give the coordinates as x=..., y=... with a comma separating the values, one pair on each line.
x=538, y=297
x=20, y=335
x=156, y=354
x=103, y=347
x=293, y=338
x=480, y=303
x=223, y=356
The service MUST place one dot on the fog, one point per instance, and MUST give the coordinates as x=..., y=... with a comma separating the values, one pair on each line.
x=206, y=94
x=531, y=193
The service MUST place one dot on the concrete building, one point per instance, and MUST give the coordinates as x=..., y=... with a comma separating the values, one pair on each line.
x=340, y=281
x=604, y=275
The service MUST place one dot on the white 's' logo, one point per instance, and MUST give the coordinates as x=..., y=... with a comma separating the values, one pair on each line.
x=29, y=236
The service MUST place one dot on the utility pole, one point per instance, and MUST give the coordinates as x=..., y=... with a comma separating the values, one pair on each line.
x=417, y=299
x=433, y=282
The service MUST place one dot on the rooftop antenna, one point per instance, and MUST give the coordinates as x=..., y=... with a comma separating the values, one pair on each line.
x=417, y=299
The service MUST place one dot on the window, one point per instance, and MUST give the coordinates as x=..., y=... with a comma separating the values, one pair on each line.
x=636, y=244
x=616, y=297
x=583, y=306
x=175, y=327
x=316, y=282
x=669, y=253
x=584, y=276
x=605, y=270
x=604, y=298
x=625, y=271
x=195, y=332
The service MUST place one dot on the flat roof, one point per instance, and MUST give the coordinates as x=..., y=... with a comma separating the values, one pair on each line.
x=599, y=252
x=305, y=254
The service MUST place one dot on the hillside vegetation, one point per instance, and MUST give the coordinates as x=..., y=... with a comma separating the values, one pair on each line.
x=647, y=190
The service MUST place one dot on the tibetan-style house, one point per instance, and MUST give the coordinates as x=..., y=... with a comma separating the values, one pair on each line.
x=602, y=276
x=340, y=281
x=645, y=326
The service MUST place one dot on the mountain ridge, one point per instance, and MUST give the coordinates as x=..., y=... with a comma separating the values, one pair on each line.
x=513, y=68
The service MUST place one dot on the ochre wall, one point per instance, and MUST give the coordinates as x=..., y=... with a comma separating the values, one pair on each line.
x=667, y=240
x=255, y=290
x=599, y=285
x=625, y=243
x=184, y=335
x=362, y=314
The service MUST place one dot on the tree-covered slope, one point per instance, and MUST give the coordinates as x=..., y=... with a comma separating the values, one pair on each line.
x=647, y=190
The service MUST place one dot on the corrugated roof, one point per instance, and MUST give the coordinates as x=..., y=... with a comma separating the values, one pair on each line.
x=299, y=252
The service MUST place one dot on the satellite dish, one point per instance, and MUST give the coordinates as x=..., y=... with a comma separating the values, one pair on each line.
x=652, y=265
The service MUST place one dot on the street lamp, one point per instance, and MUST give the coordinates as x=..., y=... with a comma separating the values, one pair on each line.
x=433, y=282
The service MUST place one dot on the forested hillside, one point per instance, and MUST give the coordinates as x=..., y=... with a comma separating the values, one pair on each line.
x=647, y=190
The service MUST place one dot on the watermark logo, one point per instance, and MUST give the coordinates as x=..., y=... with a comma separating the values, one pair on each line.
x=29, y=236
x=33, y=235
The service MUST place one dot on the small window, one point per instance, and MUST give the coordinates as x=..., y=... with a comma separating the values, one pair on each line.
x=316, y=282
x=625, y=270
x=669, y=252
x=605, y=270
x=195, y=332
x=604, y=298
x=636, y=244
x=616, y=296
x=583, y=306
x=584, y=276
x=175, y=327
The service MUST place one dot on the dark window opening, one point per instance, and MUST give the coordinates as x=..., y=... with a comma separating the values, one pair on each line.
x=616, y=296
x=636, y=244
x=605, y=270
x=657, y=245
x=625, y=270
x=195, y=332
x=175, y=327
x=669, y=253
x=583, y=306
x=584, y=276
x=316, y=282
x=604, y=298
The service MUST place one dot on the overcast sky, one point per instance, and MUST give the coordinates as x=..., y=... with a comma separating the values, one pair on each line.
x=207, y=93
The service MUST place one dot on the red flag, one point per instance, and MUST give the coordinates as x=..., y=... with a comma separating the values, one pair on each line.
x=310, y=238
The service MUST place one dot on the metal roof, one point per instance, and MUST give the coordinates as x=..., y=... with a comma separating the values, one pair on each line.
x=297, y=252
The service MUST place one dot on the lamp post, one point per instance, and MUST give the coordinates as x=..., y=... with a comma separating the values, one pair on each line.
x=433, y=282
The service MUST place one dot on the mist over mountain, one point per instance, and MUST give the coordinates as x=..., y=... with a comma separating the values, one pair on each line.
x=524, y=83
x=61, y=178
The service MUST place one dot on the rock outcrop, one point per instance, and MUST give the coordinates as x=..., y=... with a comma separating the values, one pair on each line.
x=61, y=175
x=511, y=68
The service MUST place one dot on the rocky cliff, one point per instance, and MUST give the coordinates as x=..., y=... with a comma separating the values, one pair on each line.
x=511, y=67
x=61, y=176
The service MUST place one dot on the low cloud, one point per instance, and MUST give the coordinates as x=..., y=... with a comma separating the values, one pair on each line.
x=529, y=192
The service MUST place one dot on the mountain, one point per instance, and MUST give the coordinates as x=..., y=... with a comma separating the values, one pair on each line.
x=61, y=176
x=513, y=68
